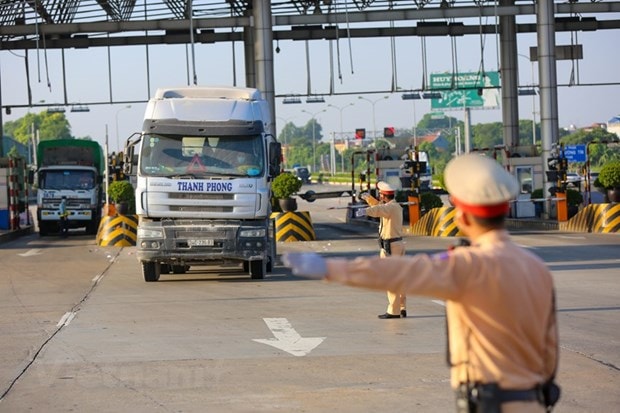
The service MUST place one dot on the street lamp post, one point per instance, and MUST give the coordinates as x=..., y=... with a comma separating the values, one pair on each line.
x=340, y=109
x=533, y=100
x=118, y=147
x=373, y=103
x=314, y=136
x=285, y=120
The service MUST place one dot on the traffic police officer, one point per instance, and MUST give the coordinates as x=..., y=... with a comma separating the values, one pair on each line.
x=500, y=305
x=390, y=214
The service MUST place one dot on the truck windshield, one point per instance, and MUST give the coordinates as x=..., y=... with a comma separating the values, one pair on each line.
x=66, y=179
x=199, y=156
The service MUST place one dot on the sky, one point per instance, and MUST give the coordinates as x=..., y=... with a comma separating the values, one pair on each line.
x=361, y=67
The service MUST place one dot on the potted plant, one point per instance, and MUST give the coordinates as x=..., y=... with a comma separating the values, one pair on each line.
x=283, y=187
x=428, y=201
x=573, y=200
x=609, y=178
x=122, y=194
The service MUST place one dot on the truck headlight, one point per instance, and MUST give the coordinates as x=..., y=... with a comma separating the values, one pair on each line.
x=150, y=233
x=252, y=233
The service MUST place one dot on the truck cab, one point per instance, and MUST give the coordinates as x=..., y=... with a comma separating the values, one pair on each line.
x=206, y=159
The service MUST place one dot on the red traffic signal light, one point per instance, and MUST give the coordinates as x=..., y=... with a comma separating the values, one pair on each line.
x=360, y=133
x=388, y=132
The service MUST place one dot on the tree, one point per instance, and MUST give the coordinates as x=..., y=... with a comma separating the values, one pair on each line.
x=487, y=135
x=49, y=125
x=429, y=122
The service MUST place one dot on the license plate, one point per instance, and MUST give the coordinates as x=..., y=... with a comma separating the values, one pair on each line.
x=201, y=243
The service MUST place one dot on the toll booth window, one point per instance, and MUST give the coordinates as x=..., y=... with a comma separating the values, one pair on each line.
x=524, y=177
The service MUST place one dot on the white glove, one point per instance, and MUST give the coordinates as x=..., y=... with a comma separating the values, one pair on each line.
x=306, y=264
x=364, y=196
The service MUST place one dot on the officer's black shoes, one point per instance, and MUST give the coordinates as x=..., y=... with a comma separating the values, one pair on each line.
x=388, y=315
x=403, y=313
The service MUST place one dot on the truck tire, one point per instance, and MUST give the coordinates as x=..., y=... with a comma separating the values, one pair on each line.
x=180, y=269
x=246, y=266
x=258, y=269
x=150, y=271
x=91, y=228
x=165, y=269
x=43, y=229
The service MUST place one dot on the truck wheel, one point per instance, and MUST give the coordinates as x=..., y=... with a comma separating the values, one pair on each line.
x=246, y=266
x=150, y=271
x=91, y=228
x=258, y=269
x=179, y=269
x=43, y=229
x=164, y=269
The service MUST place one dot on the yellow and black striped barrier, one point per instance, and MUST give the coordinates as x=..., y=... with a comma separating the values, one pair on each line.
x=603, y=218
x=438, y=222
x=117, y=231
x=293, y=226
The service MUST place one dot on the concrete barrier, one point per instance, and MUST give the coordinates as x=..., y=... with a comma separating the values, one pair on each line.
x=294, y=226
x=118, y=231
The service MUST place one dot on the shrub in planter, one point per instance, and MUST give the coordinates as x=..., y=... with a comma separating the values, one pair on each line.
x=609, y=178
x=122, y=193
x=283, y=187
x=429, y=200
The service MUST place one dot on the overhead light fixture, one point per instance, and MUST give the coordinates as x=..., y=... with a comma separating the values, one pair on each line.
x=315, y=99
x=527, y=92
x=56, y=109
x=80, y=108
x=291, y=100
x=410, y=96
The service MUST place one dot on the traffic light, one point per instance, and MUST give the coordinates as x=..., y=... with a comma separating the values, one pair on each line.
x=360, y=133
x=553, y=163
x=388, y=132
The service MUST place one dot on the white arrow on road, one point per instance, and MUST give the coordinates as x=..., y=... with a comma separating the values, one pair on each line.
x=30, y=253
x=287, y=339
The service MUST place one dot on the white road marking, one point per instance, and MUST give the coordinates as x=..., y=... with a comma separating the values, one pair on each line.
x=439, y=302
x=571, y=237
x=30, y=253
x=97, y=278
x=66, y=319
x=287, y=339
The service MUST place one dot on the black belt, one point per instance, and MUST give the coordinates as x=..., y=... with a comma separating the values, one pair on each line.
x=390, y=240
x=506, y=396
x=502, y=395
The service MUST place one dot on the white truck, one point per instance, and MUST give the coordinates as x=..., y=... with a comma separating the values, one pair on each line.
x=70, y=168
x=205, y=161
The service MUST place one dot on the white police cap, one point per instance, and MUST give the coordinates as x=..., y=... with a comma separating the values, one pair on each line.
x=385, y=188
x=477, y=181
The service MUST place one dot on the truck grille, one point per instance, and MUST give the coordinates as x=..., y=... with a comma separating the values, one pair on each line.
x=200, y=208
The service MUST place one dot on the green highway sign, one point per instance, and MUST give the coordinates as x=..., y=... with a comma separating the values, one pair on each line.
x=466, y=90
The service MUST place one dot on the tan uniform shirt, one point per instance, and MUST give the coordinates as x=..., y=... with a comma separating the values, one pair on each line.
x=499, y=304
x=391, y=215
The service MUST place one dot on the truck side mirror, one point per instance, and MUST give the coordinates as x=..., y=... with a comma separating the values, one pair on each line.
x=275, y=158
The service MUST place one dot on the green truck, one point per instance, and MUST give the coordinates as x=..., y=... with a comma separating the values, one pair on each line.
x=72, y=168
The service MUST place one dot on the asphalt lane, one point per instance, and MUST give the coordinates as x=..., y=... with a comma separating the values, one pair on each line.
x=81, y=331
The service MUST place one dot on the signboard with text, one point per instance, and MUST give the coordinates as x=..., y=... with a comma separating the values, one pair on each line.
x=575, y=153
x=466, y=90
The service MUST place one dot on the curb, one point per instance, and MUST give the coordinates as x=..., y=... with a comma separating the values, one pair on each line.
x=13, y=235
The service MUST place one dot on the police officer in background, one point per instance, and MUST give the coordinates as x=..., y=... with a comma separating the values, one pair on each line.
x=64, y=217
x=500, y=305
x=390, y=214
